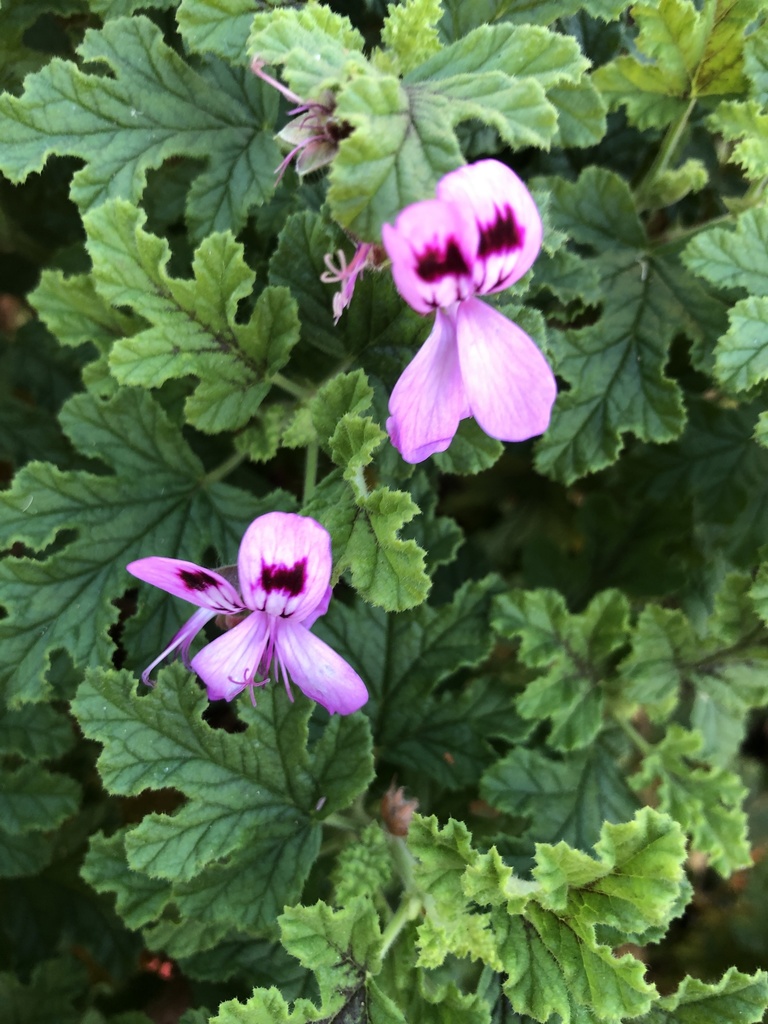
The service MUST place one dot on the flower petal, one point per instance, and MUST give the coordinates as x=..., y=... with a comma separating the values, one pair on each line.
x=508, y=221
x=183, y=639
x=510, y=387
x=233, y=660
x=199, y=586
x=429, y=400
x=318, y=671
x=284, y=564
x=433, y=246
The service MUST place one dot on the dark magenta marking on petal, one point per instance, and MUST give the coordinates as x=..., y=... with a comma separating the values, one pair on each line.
x=503, y=235
x=198, y=580
x=434, y=264
x=281, y=577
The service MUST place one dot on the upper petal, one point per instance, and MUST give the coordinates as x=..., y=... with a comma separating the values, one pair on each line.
x=429, y=400
x=318, y=671
x=432, y=246
x=284, y=564
x=199, y=586
x=233, y=660
x=507, y=219
x=510, y=387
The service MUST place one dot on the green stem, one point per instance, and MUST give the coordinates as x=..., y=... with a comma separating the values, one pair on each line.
x=409, y=910
x=295, y=390
x=336, y=820
x=310, y=470
x=639, y=741
x=224, y=469
x=667, y=150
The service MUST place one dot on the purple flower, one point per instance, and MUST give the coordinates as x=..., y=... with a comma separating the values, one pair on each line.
x=479, y=236
x=346, y=274
x=281, y=586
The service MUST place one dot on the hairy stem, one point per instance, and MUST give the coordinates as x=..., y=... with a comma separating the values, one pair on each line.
x=667, y=150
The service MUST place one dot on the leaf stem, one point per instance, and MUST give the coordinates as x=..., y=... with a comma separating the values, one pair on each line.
x=639, y=741
x=224, y=469
x=667, y=150
x=310, y=470
x=295, y=390
x=409, y=910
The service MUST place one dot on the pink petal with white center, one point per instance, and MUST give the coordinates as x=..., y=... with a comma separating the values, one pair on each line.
x=509, y=384
x=507, y=219
x=432, y=246
x=429, y=399
x=233, y=660
x=183, y=639
x=199, y=586
x=284, y=565
x=319, y=672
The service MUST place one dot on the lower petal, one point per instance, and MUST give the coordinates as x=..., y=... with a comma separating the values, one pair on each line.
x=231, y=662
x=319, y=672
x=429, y=400
x=509, y=384
x=183, y=639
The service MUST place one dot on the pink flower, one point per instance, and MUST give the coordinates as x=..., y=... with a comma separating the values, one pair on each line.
x=346, y=274
x=281, y=586
x=479, y=236
x=314, y=134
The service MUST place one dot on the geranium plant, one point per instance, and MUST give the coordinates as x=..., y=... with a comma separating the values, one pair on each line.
x=420, y=349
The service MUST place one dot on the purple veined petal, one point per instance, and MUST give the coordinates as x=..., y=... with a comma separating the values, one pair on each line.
x=507, y=219
x=199, y=586
x=233, y=660
x=183, y=639
x=432, y=246
x=509, y=384
x=319, y=672
x=429, y=399
x=284, y=564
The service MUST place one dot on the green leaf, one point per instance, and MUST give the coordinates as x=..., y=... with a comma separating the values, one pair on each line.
x=564, y=800
x=616, y=365
x=156, y=501
x=471, y=451
x=216, y=26
x=35, y=800
x=50, y=996
x=572, y=653
x=363, y=867
x=140, y=899
x=37, y=732
x=460, y=18
x=403, y=658
x=706, y=801
x=736, y=999
x=756, y=62
x=193, y=330
x=154, y=108
x=251, y=812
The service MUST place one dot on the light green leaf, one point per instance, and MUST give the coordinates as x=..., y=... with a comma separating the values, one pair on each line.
x=217, y=26
x=251, y=813
x=736, y=999
x=746, y=124
x=363, y=867
x=154, y=108
x=460, y=17
x=193, y=328
x=733, y=258
x=706, y=801
x=572, y=653
x=683, y=54
x=155, y=502
x=410, y=32
x=756, y=62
